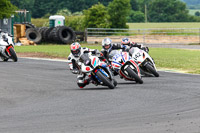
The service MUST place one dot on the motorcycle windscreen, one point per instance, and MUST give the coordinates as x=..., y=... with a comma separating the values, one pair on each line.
x=112, y=54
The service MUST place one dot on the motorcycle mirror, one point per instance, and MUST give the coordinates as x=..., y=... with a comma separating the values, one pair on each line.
x=10, y=35
x=5, y=38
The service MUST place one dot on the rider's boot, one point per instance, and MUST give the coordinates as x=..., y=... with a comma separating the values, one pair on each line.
x=82, y=82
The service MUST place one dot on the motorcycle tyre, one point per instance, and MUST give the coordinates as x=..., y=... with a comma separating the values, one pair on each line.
x=105, y=80
x=134, y=75
x=115, y=82
x=152, y=70
x=13, y=55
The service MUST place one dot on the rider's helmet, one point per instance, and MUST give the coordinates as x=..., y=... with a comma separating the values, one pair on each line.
x=107, y=44
x=75, y=49
x=126, y=41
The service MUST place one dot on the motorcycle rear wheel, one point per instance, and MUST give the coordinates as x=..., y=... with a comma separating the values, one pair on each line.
x=105, y=80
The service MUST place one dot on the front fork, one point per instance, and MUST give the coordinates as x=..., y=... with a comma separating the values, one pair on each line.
x=8, y=49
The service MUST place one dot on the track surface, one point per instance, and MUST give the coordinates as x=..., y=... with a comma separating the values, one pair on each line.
x=42, y=97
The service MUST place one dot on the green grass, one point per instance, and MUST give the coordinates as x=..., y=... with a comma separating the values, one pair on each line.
x=163, y=25
x=179, y=59
x=51, y=50
x=169, y=58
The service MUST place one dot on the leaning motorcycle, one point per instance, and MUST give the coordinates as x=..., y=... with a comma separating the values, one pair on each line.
x=126, y=67
x=7, y=47
x=144, y=60
x=97, y=70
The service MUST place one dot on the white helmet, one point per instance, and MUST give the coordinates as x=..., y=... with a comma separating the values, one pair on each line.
x=75, y=49
x=107, y=44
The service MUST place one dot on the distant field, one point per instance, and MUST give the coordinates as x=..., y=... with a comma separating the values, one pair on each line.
x=163, y=25
x=44, y=22
x=192, y=11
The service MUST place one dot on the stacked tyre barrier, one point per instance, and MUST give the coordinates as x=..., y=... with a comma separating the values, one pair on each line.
x=59, y=35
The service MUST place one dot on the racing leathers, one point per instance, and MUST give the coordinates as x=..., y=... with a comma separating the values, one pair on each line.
x=140, y=46
x=82, y=79
x=105, y=52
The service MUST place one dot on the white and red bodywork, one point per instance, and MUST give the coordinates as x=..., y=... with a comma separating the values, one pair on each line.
x=142, y=57
x=123, y=60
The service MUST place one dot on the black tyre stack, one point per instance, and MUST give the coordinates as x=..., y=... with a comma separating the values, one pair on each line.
x=62, y=34
x=33, y=35
x=59, y=34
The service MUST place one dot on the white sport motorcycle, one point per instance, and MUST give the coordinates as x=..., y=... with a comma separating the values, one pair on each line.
x=144, y=61
x=7, y=47
x=97, y=70
x=126, y=67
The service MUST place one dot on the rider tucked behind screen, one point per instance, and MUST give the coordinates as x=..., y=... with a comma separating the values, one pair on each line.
x=74, y=58
x=128, y=42
x=108, y=46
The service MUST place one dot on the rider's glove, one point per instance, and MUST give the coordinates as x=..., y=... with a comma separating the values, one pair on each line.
x=94, y=52
x=125, y=48
x=146, y=49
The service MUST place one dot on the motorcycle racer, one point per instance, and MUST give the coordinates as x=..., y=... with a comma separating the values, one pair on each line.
x=108, y=46
x=73, y=60
x=127, y=42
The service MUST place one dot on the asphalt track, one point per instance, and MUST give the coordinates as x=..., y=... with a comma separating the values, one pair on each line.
x=38, y=96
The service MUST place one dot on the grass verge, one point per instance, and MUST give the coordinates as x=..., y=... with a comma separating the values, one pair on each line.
x=179, y=59
x=170, y=58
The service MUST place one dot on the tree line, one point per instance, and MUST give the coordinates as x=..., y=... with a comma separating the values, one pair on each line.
x=107, y=13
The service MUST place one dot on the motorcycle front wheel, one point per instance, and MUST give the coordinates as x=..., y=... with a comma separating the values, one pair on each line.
x=13, y=55
x=152, y=70
x=105, y=80
x=134, y=75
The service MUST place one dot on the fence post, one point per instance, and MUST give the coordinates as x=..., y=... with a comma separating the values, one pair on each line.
x=86, y=34
x=144, y=36
x=199, y=35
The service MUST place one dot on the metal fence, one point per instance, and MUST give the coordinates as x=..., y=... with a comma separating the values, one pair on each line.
x=146, y=36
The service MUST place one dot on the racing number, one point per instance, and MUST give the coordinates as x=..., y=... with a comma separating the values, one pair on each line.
x=137, y=55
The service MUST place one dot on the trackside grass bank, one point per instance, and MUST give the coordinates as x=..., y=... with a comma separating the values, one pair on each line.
x=164, y=25
x=165, y=58
x=180, y=59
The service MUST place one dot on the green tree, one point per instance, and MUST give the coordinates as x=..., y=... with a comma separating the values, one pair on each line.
x=75, y=22
x=119, y=11
x=97, y=17
x=6, y=9
x=136, y=16
x=134, y=5
x=167, y=11
x=23, y=4
x=43, y=7
x=104, y=2
x=197, y=13
x=64, y=12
